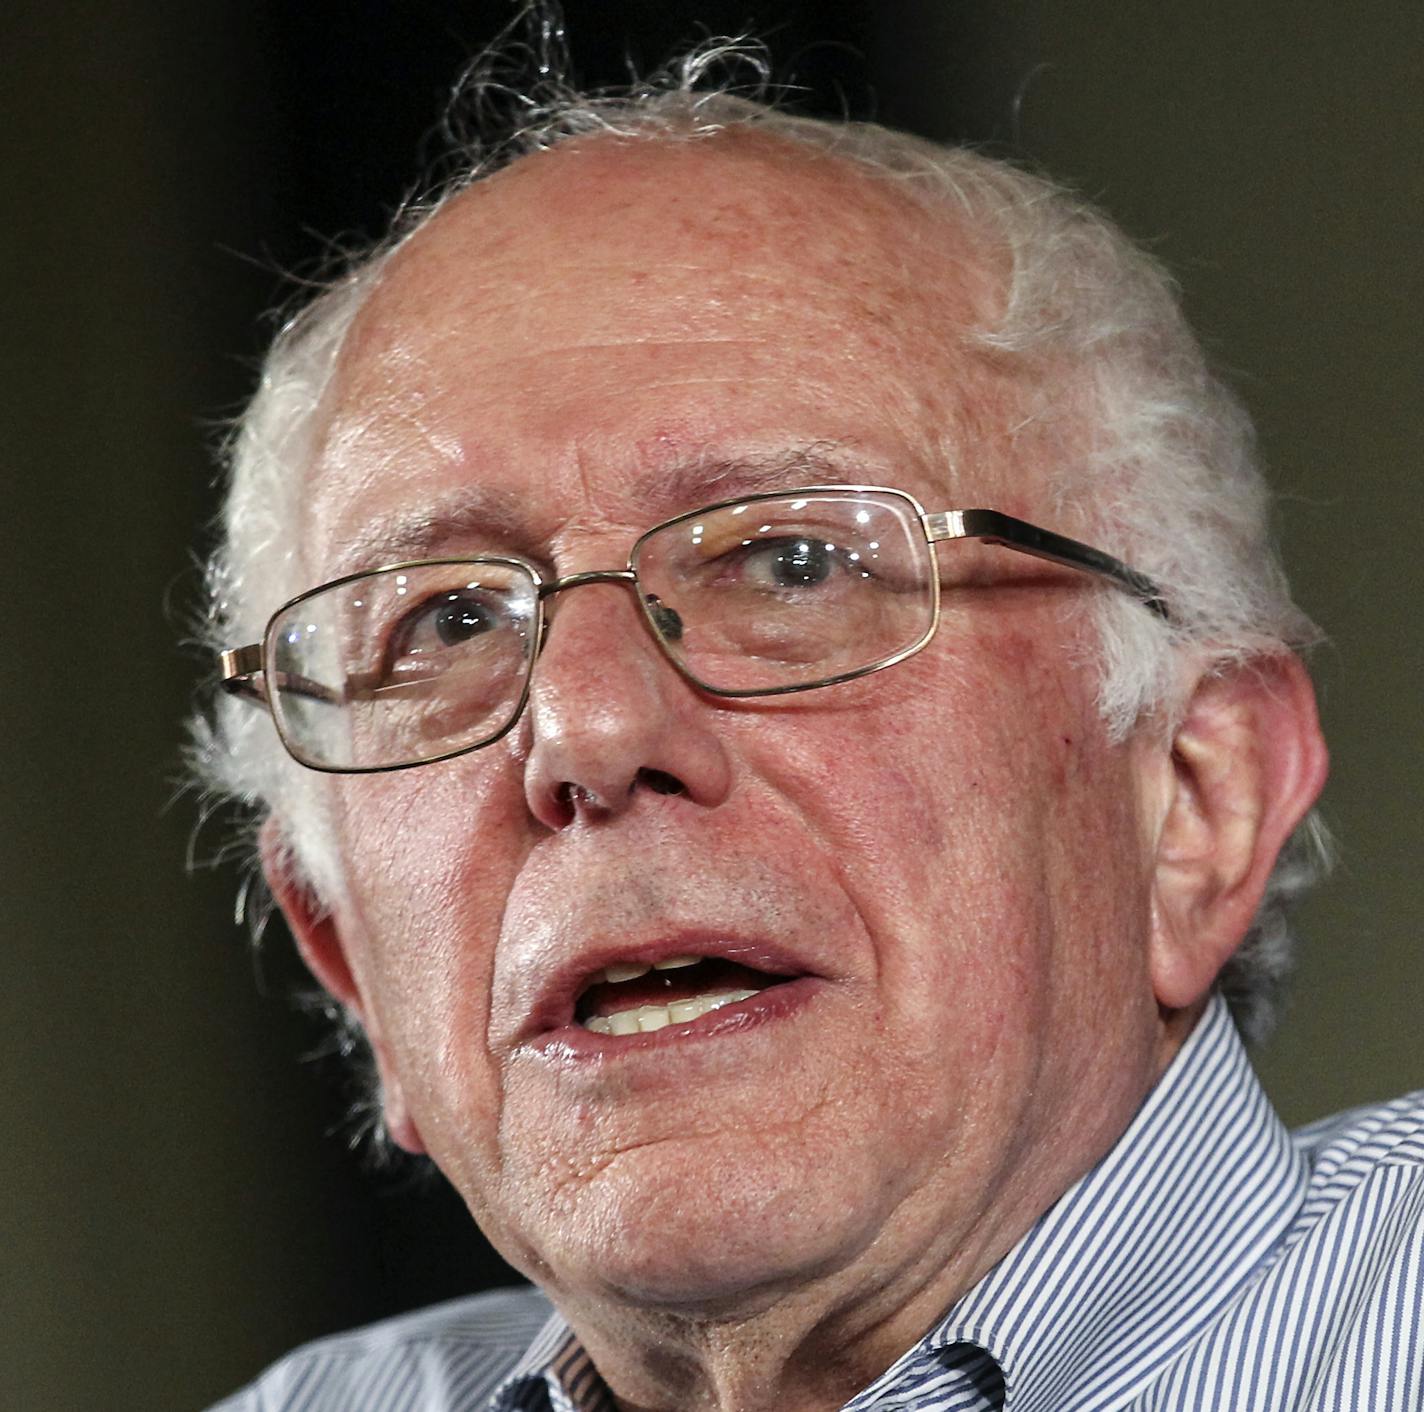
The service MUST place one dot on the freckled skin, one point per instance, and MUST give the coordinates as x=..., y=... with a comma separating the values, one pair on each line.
x=952, y=841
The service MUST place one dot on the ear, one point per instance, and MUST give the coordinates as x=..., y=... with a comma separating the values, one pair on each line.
x=324, y=949
x=1246, y=764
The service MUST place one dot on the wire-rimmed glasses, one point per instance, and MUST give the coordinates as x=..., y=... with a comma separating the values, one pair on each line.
x=760, y=595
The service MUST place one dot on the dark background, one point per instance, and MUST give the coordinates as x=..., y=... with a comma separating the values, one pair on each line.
x=177, y=1205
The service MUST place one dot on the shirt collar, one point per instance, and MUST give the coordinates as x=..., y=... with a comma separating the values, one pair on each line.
x=555, y=1373
x=1150, y=1245
x=1113, y=1280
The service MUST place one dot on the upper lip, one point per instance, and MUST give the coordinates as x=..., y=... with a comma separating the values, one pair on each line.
x=558, y=992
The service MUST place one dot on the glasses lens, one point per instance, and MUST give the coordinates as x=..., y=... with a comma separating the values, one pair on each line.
x=789, y=591
x=403, y=665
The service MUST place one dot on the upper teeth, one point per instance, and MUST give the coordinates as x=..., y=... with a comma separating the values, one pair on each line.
x=632, y=970
x=643, y=1018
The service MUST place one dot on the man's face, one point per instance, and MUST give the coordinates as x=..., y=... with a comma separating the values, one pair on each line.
x=945, y=859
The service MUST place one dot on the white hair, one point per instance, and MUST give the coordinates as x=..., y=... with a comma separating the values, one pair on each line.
x=1167, y=478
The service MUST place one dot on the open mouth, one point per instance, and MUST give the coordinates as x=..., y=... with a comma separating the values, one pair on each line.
x=634, y=998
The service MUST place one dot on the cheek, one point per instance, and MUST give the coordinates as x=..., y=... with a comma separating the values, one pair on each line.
x=959, y=760
x=432, y=854
x=964, y=801
x=410, y=839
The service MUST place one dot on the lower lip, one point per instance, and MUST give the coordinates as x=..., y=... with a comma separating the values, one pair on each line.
x=777, y=1002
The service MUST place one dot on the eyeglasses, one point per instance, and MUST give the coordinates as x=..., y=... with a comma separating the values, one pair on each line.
x=765, y=594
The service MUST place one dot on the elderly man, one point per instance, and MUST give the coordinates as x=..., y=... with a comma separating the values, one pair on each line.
x=791, y=730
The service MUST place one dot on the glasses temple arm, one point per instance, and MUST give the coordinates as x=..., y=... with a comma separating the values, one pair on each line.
x=995, y=527
x=244, y=676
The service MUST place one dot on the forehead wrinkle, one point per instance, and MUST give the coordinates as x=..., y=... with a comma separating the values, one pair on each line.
x=650, y=344
x=518, y=283
x=699, y=480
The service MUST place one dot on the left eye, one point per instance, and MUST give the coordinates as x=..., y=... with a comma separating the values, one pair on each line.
x=797, y=562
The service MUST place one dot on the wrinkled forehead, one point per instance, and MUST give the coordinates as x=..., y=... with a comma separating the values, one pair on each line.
x=592, y=317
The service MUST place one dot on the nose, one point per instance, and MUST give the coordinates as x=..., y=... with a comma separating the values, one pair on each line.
x=609, y=717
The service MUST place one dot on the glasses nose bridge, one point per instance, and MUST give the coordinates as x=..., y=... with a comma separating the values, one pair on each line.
x=548, y=590
x=553, y=586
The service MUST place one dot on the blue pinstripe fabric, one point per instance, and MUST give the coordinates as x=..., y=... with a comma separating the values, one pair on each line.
x=1209, y=1263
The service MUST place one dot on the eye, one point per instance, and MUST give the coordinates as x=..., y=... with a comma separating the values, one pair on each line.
x=791, y=563
x=446, y=622
x=459, y=619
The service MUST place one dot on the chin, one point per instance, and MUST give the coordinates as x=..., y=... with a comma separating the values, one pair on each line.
x=711, y=1234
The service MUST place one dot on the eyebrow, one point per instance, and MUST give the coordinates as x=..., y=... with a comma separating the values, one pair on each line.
x=701, y=481
x=475, y=516
x=470, y=514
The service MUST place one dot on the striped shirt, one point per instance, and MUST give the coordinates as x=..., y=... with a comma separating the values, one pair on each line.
x=1211, y=1262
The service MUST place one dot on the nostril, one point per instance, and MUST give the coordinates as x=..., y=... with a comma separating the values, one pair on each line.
x=573, y=797
x=660, y=782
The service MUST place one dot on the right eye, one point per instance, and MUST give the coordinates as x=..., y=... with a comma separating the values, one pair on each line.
x=442, y=625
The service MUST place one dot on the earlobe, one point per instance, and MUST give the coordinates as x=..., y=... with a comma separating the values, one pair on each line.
x=319, y=939
x=1247, y=761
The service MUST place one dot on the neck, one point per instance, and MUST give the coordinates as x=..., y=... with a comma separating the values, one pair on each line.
x=804, y=1348
x=787, y=1356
